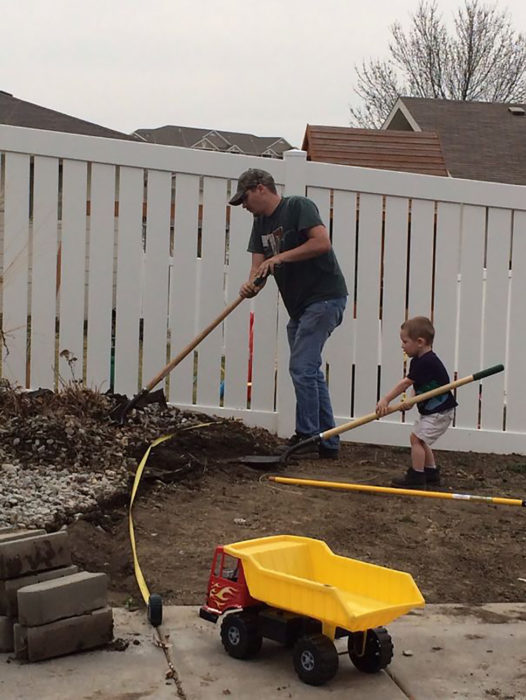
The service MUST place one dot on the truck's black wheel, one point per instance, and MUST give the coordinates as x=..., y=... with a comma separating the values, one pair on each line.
x=372, y=654
x=315, y=659
x=155, y=609
x=240, y=635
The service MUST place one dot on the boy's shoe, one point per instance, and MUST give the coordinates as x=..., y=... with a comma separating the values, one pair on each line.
x=328, y=452
x=433, y=476
x=311, y=449
x=411, y=480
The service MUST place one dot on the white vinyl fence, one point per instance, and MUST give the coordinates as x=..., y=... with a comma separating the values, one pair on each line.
x=114, y=255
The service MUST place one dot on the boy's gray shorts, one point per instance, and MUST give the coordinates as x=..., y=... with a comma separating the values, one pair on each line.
x=430, y=428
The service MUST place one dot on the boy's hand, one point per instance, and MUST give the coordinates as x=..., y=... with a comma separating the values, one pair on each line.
x=404, y=406
x=381, y=407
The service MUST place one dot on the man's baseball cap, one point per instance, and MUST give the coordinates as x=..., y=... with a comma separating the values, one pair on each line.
x=249, y=179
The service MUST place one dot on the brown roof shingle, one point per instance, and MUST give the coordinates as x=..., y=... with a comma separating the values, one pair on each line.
x=370, y=148
x=480, y=140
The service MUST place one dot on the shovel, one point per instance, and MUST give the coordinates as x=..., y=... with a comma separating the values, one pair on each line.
x=265, y=460
x=119, y=413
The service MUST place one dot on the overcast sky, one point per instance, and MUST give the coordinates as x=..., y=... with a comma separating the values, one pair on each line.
x=268, y=67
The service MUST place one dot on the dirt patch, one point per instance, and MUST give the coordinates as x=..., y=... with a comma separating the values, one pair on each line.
x=458, y=551
x=63, y=461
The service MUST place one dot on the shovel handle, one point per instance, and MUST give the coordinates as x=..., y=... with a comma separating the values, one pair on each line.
x=195, y=342
x=411, y=401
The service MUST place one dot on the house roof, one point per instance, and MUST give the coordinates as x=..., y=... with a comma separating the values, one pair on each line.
x=370, y=148
x=480, y=140
x=212, y=139
x=15, y=112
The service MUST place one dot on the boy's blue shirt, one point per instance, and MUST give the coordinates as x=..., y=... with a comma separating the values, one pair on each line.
x=427, y=372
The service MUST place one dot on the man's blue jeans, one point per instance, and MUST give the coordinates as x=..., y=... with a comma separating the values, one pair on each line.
x=307, y=336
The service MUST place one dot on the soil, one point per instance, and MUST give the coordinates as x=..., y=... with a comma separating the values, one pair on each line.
x=196, y=494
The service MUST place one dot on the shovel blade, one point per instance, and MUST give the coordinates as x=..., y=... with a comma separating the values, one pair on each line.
x=143, y=398
x=261, y=461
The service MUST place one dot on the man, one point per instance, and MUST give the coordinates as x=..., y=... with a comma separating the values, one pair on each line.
x=289, y=241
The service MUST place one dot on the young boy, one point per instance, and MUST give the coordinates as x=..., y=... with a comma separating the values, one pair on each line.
x=426, y=372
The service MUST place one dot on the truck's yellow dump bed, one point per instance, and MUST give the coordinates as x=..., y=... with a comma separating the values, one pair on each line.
x=304, y=576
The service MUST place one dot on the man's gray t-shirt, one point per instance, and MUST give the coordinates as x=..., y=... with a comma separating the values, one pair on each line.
x=307, y=281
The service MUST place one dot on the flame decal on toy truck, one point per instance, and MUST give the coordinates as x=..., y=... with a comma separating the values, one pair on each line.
x=221, y=595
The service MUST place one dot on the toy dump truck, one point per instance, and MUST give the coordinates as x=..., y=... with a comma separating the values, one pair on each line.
x=296, y=591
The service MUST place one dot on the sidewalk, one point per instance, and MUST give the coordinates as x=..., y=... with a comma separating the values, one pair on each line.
x=443, y=651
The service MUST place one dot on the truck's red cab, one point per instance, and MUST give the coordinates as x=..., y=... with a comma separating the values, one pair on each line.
x=227, y=587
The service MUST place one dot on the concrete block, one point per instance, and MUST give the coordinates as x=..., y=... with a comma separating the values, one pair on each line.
x=6, y=634
x=53, y=600
x=33, y=554
x=14, y=535
x=64, y=636
x=9, y=589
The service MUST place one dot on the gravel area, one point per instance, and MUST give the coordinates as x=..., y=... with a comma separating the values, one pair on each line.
x=62, y=456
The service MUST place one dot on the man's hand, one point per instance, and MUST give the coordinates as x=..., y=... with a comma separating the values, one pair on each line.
x=381, y=407
x=249, y=289
x=267, y=266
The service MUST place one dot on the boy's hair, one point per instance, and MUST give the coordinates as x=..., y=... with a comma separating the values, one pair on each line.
x=419, y=327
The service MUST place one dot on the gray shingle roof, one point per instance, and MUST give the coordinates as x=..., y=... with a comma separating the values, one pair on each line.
x=480, y=140
x=15, y=112
x=191, y=137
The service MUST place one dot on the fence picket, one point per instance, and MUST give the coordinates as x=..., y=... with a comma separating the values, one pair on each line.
x=16, y=268
x=100, y=275
x=470, y=311
x=183, y=286
x=394, y=294
x=447, y=268
x=156, y=266
x=368, y=303
x=129, y=280
x=421, y=259
x=212, y=278
x=496, y=294
x=515, y=365
x=44, y=271
x=237, y=326
x=265, y=357
x=72, y=286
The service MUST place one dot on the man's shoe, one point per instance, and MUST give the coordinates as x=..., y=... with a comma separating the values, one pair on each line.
x=433, y=476
x=310, y=449
x=328, y=452
x=411, y=480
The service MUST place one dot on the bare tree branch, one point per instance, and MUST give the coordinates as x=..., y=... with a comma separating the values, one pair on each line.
x=483, y=59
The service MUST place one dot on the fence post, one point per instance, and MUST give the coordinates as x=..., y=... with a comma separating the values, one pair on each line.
x=295, y=183
x=295, y=172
